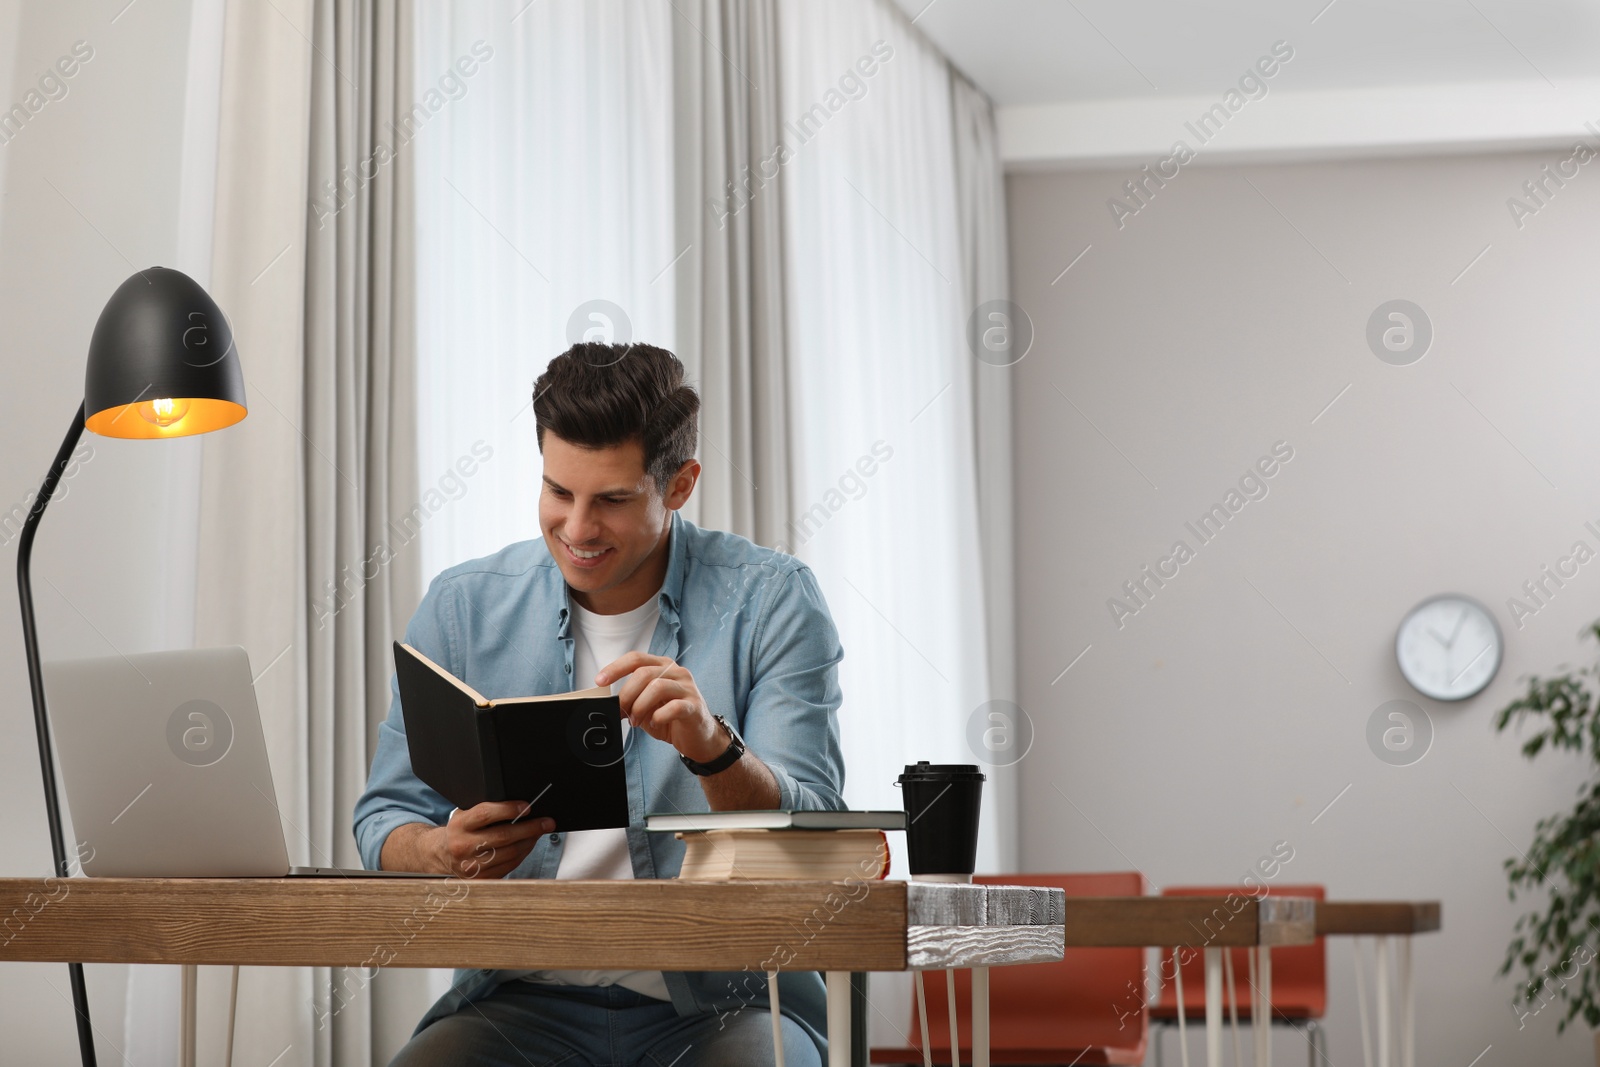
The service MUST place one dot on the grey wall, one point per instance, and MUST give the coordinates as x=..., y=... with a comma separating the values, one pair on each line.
x=1231, y=710
x=112, y=568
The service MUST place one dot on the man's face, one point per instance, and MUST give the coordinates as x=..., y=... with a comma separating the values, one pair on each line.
x=602, y=515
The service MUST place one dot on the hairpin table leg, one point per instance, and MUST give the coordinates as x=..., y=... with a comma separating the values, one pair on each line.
x=1233, y=1005
x=955, y=1034
x=186, y=1017
x=838, y=1019
x=1183, y=1030
x=1213, y=1006
x=1385, y=1034
x=1361, y=1000
x=1261, y=1005
x=233, y=1013
x=922, y=1019
x=980, y=1017
x=1408, y=1006
x=777, y=1019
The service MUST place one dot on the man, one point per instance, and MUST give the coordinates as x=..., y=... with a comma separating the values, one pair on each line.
x=724, y=659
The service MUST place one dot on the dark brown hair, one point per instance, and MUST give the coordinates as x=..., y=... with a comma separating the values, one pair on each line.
x=601, y=395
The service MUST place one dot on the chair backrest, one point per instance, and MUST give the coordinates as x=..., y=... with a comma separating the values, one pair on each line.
x=1299, y=972
x=1093, y=998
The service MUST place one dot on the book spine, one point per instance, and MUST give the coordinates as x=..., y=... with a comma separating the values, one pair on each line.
x=494, y=786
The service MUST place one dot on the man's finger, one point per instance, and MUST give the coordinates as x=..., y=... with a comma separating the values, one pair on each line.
x=490, y=812
x=669, y=715
x=637, y=679
x=651, y=694
x=643, y=678
x=626, y=663
x=504, y=861
x=493, y=862
x=506, y=835
x=655, y=694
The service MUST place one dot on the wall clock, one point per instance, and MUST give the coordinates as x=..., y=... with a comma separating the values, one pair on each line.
x=1449, y=647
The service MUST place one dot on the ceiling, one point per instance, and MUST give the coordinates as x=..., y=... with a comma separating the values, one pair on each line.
x=1025, y=52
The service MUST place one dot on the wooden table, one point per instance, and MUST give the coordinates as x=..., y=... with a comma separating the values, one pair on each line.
x=1390, y=922
x=1377, y=917
x=1136, y=922
x=1209, y=923
x=1212, y=924
x=834, y=927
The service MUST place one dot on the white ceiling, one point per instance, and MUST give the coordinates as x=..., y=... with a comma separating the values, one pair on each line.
x=1097, y=82
x=1057, y=51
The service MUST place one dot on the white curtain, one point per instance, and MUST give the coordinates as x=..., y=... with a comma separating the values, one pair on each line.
x=297, y=499
x=357, y=414
x=980, y=205
x=884, y=383
x=545, y=188
x=729, y=278
x=251, y=548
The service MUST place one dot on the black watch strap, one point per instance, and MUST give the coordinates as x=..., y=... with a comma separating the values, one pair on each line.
x=723, y=762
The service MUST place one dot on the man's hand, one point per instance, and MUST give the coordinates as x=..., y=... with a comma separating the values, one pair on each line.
x=661, y=699
x=487, y=841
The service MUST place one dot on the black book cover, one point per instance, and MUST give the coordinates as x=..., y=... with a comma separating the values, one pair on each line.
x=561, y=753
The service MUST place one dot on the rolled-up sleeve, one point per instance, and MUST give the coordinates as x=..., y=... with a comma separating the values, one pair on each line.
x=791, y=718
x=394, y=795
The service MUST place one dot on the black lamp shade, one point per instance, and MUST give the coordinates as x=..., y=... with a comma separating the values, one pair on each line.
x=162, y=361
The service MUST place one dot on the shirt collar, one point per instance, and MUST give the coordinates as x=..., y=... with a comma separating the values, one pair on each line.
x=671, y=595
x=677, y=565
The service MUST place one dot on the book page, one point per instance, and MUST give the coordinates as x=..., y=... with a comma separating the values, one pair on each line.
x=578, y=694
x=477, y=697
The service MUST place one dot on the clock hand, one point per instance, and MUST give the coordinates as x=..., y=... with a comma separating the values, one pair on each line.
x=1456, y=632
x=1437, y=638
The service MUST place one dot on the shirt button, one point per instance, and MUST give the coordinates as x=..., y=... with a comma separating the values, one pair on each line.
x=555, y=839
x=569, y=668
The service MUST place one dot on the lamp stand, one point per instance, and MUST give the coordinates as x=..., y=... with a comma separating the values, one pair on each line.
x=41, y=720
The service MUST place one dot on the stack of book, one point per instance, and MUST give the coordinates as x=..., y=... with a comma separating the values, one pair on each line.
x=827, y=846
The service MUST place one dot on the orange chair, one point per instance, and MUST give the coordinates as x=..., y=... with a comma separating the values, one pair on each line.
x=1089, y=1008
x=1299, y=978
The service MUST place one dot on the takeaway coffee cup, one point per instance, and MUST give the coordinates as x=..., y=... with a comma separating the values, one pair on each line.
x=941, y=802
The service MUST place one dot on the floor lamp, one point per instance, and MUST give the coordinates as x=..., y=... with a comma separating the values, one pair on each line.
x=161, y=364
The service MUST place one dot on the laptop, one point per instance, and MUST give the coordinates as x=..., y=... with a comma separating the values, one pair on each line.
x=165, y=768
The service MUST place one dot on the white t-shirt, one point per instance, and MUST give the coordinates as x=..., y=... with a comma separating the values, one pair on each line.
x=597, y=640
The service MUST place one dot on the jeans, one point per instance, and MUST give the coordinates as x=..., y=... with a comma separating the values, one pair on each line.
x=524, y=1024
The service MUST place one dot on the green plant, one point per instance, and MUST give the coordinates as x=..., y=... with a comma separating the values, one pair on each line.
x=1555, y=946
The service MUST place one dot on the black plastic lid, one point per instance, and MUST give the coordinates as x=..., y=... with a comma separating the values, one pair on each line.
x=923, y=771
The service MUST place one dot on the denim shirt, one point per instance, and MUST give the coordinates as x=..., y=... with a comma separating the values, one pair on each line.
x=749, y=623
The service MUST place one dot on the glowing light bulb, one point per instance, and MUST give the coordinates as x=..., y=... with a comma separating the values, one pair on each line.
x=164, y=412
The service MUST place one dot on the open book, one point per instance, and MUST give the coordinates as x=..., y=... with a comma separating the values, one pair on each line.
x=561, y=753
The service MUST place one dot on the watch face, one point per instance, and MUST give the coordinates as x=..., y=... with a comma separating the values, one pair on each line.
x=1449, y=647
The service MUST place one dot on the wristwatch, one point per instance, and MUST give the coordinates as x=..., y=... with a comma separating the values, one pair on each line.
x=723, y=762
